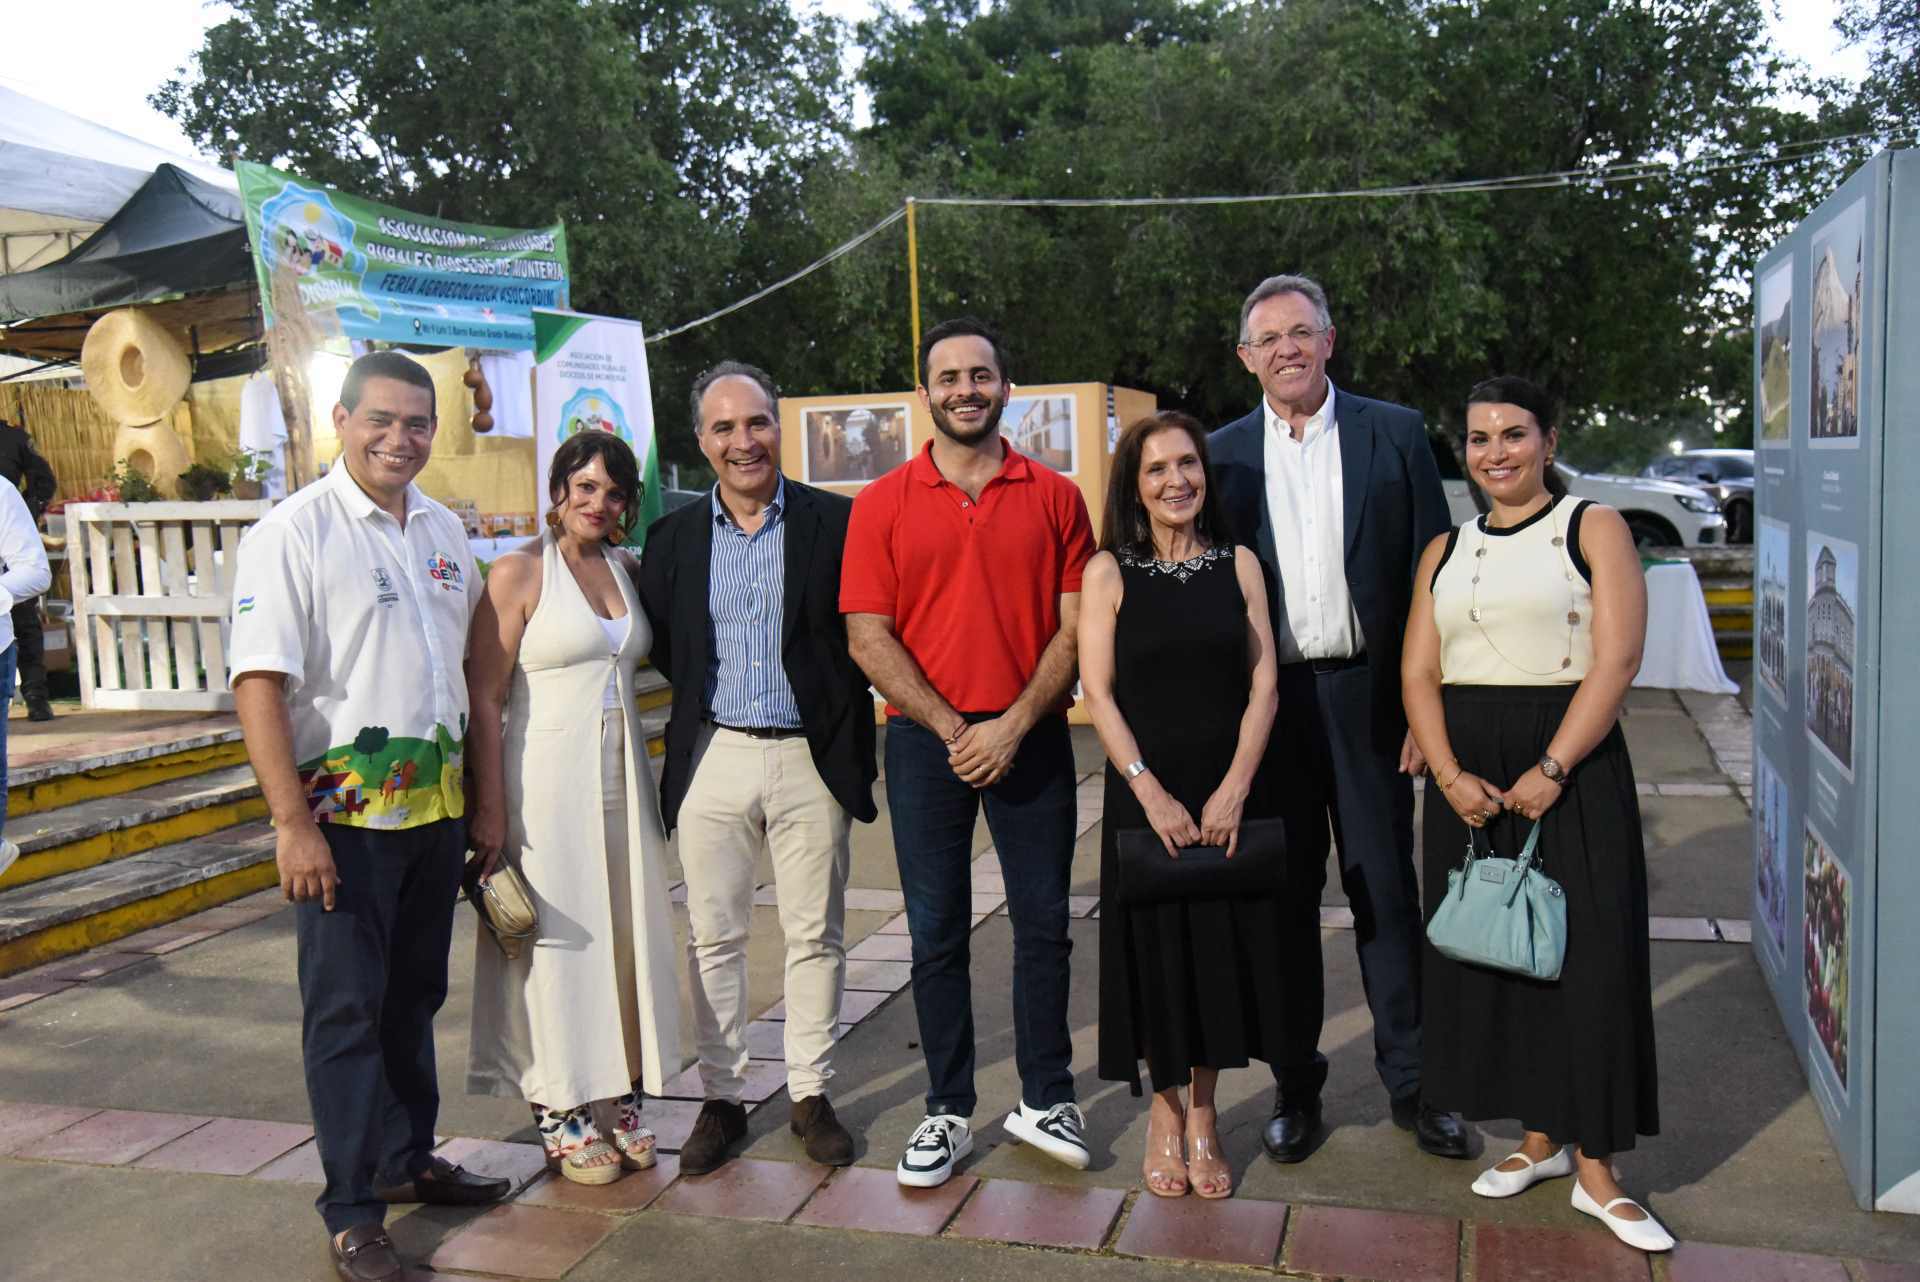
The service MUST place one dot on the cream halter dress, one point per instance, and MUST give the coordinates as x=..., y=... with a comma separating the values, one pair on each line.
x=593, y=1007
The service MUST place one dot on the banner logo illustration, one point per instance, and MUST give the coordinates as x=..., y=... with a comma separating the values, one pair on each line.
x=593, y=409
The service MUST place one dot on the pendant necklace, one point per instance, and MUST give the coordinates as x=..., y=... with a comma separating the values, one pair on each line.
x=1573, y=614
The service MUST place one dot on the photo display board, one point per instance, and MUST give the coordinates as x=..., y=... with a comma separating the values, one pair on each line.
x=1836, y=552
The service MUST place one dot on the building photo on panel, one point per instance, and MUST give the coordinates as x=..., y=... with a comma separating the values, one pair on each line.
x=1833, y=588
x=1838, y=272
x=1041, y=427
x=855, y=443
x=1771, y=845
x=1773, y=306
x=1772, y=563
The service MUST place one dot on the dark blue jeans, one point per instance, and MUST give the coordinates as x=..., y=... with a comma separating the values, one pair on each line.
x=1031, y=816
x=372, y=974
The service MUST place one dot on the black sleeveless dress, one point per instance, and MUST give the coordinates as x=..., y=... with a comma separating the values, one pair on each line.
x=1195, y=982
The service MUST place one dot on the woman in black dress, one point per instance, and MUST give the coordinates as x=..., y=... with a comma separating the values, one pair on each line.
x=1525, y=634
x=1177, y=667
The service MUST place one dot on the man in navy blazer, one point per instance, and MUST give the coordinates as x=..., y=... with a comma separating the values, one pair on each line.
x=1339, y=495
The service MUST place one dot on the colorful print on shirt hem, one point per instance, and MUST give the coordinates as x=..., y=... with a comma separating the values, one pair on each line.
x=380, y=781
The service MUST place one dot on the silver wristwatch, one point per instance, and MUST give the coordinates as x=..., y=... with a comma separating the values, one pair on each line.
x=1553, y=769
x=1135, y=770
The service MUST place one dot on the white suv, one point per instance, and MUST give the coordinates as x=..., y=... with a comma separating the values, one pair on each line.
x=1660, y=513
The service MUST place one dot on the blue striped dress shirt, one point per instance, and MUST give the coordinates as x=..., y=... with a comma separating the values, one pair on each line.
x=746, y=683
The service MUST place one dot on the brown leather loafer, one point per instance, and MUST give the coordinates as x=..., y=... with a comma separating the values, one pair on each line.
x=721, y=1124
x=444, y=1184
x=365, y=1254
x=820, y=1132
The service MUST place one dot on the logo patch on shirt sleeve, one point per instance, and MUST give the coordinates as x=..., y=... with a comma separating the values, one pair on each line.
x=445, y=571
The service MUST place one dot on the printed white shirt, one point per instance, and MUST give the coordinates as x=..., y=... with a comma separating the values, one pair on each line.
x=24, y=572
x=368, y=621
x=1306, y=507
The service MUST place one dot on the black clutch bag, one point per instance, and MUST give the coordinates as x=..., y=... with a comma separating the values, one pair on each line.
x=1257, y=869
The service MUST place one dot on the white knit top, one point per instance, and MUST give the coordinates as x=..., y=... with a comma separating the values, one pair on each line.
x=1514, y=606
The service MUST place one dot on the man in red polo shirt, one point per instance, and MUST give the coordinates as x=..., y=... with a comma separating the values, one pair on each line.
x=961, y=587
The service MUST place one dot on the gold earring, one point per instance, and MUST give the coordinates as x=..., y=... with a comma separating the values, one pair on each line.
x=553, y=519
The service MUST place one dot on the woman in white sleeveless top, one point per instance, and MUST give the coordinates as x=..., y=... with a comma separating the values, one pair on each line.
x=588, y=1014
x=1525, y=634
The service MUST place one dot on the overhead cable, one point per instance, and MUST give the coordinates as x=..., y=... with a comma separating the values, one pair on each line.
x=1620, y=172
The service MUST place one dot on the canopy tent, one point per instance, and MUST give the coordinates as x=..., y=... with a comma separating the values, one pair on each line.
x=178, y=242
x=61, y=175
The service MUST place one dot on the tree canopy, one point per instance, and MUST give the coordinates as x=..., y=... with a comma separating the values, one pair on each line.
x=701, y=149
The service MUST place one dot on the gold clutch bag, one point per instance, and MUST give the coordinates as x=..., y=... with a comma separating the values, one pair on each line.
x=504, y=903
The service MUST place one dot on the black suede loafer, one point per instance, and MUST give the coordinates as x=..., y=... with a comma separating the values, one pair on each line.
x=821, y=1134
x=1439, y=1133
x=1290, y=1132
x=444, y=1184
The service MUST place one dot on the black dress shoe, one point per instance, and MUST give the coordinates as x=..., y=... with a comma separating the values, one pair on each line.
x=365, y=1254
x=721, y=1124
x=38, y=709
x=444, y=1184
x=1440, y=1133
x=1290, y=1132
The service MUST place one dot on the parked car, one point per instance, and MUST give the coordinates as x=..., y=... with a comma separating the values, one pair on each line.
x=1660, y=513
x=1725, y=474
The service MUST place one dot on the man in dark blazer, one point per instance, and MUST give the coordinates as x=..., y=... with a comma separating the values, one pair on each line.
x=770, y=747
x=1339, y=495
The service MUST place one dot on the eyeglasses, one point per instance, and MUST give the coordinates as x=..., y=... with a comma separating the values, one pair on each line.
x=1300, y=334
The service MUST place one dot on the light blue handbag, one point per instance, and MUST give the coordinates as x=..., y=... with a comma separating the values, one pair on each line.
x=1503, y=913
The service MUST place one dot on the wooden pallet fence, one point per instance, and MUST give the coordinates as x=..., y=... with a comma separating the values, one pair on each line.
x=152, y=584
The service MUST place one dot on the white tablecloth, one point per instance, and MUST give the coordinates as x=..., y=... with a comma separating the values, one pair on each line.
x=1680, y=653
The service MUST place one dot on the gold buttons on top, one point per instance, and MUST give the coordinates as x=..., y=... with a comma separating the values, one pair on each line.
x=1573, y=616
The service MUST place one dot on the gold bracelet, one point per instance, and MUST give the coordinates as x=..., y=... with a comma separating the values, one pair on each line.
x=1458, y=770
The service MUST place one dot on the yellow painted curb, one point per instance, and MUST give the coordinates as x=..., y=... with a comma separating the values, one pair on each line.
x=105, y=846
x=73, y=937
x=111, y=781
x=654, y=699
x=1728, y=596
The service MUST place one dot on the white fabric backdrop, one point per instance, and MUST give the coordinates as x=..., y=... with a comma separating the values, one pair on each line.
x=1680, y=653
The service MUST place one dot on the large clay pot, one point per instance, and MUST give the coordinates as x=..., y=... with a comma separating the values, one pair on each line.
x=136, y=370
x=155, y=451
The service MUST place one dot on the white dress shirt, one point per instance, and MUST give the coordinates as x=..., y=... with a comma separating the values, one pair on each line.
x=1304, y=503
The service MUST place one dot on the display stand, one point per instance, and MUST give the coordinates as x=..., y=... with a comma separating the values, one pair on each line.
x=1837, y=550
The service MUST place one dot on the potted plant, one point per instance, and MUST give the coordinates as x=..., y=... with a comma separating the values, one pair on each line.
x=131, y=484
x=204, y=482
x=248, y=472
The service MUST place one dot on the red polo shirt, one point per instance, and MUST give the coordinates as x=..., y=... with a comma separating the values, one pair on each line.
x=973, y=588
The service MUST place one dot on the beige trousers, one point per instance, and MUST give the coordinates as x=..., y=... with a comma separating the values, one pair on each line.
x=745, y=795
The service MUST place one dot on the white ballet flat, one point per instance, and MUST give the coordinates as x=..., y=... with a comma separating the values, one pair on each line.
x=1644, y=1235
x=1494, y=1182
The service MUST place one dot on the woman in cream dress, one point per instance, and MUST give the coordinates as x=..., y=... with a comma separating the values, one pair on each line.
x=588, y=1015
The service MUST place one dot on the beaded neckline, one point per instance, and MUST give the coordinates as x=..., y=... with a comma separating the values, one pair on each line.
x=1181, y=570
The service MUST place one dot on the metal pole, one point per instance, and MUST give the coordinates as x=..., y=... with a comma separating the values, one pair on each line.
x=913, y=289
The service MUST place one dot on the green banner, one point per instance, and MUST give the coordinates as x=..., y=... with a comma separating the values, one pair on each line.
x=357, y=269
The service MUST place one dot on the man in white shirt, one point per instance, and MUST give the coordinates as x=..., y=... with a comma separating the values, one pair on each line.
x=24, y=575
x=1339, y=495
x=350, y=614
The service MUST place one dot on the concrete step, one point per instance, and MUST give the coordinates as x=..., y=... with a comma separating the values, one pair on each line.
x=89, y=833
x=78, y=910
x=122, y=764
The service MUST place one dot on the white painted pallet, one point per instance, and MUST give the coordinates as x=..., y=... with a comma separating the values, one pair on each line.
x=152, y=585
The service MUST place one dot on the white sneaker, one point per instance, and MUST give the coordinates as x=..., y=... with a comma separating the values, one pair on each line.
x=1055, y=1132
x=1646, y=1235
x=1494, y=1182
x=8, y=853
x=937, y=1144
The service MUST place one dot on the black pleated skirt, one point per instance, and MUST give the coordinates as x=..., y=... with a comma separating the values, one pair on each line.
x=1574, y=1058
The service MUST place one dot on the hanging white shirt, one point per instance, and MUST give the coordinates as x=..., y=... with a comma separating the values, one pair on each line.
x=507, y=375
x=1307, y=510
x=263, y=430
